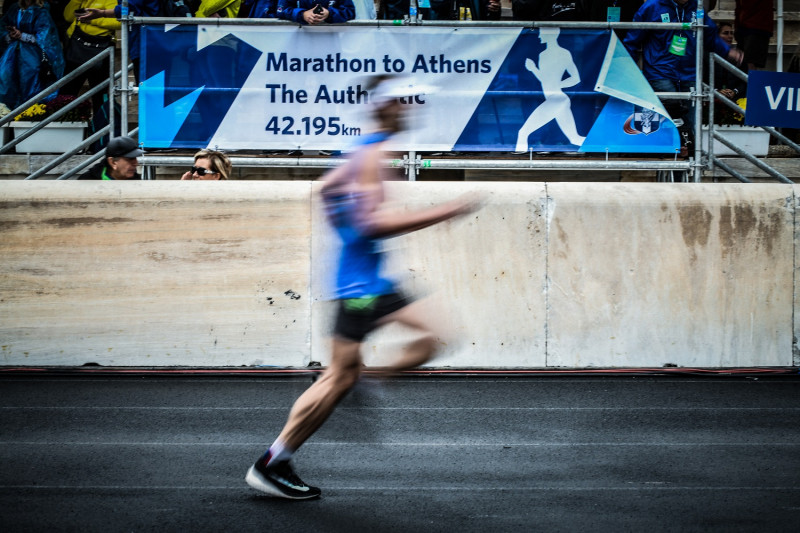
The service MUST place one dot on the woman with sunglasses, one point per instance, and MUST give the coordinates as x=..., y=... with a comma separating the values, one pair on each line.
x=209, y=165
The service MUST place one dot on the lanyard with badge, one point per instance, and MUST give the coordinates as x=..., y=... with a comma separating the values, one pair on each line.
x=678, y=45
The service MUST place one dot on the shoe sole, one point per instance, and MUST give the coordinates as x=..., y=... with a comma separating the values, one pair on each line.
x=257, y=481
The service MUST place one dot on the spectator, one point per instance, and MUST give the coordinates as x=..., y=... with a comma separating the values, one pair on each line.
x=85, y=40
x=668, y=56
x=218, y=9
x=753, y=21
x=724, y=81
x=138, y=8
x=314, y=12
x=610, y=11
x=209, y=165
x=119, y=163
x=730, y=86
x=257, y=9
x=28, y=37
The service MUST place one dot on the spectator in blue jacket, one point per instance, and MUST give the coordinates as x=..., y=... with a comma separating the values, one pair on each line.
x=316, y=11
x=668, y=56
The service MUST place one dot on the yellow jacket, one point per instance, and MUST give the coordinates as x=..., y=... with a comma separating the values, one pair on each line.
x=230, y=8
x=100, y=27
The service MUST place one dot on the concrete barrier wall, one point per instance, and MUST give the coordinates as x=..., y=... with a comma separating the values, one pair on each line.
x=545, y=275
x=155, y=273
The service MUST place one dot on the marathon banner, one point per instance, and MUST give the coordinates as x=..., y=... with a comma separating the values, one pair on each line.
x=282, y=87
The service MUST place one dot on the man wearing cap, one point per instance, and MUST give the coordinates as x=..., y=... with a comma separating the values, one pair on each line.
x=119, y=162
x=353, y=198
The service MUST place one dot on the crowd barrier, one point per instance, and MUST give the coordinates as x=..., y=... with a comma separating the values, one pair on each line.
x=546, y=275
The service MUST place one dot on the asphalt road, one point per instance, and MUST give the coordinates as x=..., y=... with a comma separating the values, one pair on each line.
x=154, y=453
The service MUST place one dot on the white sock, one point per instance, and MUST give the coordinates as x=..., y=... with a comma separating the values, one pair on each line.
x=278, y=452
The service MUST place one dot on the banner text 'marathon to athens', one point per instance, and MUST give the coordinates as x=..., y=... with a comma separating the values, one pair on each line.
x=337, y=63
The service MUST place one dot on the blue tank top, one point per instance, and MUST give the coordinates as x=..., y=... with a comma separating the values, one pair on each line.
x=360, y=258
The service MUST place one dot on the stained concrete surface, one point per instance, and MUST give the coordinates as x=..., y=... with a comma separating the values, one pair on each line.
x=420, y=453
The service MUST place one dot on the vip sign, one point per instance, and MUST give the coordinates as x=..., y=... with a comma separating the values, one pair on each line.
x=773, y=99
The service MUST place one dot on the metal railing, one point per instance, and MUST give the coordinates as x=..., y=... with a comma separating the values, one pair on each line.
x=714, y=96
x=107, y=53
x=107, y=85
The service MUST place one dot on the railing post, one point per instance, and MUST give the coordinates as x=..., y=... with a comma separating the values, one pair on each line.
x=712, y=101
x=698, y=96
x=111, y=86
x=124, y=69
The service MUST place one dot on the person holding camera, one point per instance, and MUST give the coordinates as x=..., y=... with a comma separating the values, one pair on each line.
x=314, y=12
x=86, y=40
x=137, y=8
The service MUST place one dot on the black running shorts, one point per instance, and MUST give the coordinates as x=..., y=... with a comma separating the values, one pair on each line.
x=357, y=317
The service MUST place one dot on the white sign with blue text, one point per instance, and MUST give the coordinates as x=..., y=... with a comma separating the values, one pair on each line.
x=498, y=89
x=773, y=99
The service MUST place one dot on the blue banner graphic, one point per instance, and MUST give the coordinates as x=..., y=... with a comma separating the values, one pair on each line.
x=500, y=89
x=773, y=99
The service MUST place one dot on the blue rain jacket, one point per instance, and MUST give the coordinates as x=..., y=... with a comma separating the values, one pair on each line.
x=658, y=63
x=20, y=60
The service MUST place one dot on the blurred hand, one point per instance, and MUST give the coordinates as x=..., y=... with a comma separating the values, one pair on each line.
x=736, y=56
x=14, y=33
x=470, y=202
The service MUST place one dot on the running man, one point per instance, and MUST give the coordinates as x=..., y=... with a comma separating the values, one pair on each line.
x=353, y=197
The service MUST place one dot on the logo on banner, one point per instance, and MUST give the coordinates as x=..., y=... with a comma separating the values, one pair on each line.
x=643, y=121
x=189, y=87
x=554, y=62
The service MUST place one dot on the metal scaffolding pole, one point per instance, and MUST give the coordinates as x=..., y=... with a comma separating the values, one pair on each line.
x=779, y=62
x=124, y=89
x=698, y=95
x=430, y=23
x=416, y=163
